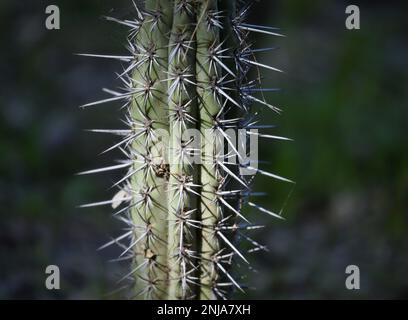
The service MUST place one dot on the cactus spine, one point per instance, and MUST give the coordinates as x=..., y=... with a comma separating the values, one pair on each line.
x=187, y=71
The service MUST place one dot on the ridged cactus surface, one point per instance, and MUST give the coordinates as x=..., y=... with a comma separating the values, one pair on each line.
x=188, y=147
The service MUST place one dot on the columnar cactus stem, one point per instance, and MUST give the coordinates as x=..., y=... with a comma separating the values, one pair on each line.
x=188, y=98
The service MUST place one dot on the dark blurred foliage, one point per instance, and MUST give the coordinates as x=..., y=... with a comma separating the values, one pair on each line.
x=344, y=96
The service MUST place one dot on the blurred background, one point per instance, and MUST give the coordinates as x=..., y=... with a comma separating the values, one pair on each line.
x=344, y=96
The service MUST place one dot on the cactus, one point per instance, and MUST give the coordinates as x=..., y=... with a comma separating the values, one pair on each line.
x=183, y=193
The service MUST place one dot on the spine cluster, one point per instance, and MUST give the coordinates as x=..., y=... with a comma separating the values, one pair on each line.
x=181, y=198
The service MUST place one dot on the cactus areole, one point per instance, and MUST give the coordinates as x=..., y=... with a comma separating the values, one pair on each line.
x=189, y=148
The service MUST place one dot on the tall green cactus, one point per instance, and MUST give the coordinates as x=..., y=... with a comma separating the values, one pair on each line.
x=190, y=127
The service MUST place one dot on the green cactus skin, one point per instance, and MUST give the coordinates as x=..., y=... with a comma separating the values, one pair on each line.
x=188, y=69
x=149, y=112
x=208, y=39
x=183, y=175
